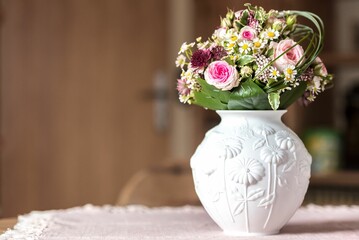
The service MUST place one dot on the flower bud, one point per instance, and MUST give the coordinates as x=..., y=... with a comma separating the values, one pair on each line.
x=225, y=23
x=291, y=20
x=278, y=24
x=230, y=15
x=246, y=71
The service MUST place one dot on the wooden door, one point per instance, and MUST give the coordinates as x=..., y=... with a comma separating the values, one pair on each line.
x=74, y=123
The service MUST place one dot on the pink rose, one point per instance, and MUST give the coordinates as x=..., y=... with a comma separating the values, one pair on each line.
x=320, y=69
x=247, y=33
x=220, y=34
x=292, y=57
x=222, y=75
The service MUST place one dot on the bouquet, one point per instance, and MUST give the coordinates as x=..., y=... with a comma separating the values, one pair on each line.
x=255, y=60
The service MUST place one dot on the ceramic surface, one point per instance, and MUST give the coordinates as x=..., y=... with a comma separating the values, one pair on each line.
x=251, y=172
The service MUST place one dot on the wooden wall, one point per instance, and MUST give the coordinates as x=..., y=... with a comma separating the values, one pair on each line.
x=74, y=122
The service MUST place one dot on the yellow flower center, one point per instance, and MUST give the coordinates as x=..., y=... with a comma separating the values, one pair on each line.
x=257, y=44
x=274, y=72
x=234, y=38
x=289, y=71
x=231, y=45
x=271, y=34
x=245, y=46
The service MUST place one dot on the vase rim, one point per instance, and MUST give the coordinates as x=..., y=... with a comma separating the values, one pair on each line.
x=248, y=111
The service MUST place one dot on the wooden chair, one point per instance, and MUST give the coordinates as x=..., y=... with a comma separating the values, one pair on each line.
x=168, y=184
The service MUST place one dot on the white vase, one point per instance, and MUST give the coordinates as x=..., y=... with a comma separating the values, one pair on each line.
x=251, y=172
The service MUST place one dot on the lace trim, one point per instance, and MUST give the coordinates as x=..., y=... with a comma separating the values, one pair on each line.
x=32, y=225
x=29, y=226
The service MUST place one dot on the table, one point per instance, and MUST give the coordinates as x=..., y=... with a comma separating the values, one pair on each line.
x=184, y=223
x=7, y=223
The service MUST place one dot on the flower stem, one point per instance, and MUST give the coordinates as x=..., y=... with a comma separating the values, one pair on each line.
x=274, y=190
x=246, y=208
x=269, y=180
x=265, y=136
x=225, y=190
x=269, y=172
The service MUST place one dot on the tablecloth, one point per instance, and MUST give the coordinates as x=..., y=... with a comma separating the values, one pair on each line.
x=184, y=223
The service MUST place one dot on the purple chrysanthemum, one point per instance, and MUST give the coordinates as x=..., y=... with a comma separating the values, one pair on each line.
x=200, y=58
x=218, y=52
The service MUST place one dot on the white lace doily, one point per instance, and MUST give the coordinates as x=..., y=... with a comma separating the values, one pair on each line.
x=190, y=223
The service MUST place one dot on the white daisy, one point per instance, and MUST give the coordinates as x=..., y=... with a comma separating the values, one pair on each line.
x=185, y=47
x=258, y=44
x=274, y=72
x=315, y=85
x=270, y=34
x=290, y=71
x=245, y=47
x=185, y=99
x=181, y=61
x=203, y=45
x=231, y=40
x=229, y=46
x=288, y=78
x=230, y=36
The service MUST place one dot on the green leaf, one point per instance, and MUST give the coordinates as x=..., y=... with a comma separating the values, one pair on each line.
x=246, y=59
x=229, y=61
x=206, y=101
x=213, y=92
x=238, y=25
x=270, y=52
x=289, y=97
x=244, y=18
x=317, y=38
x=274, y=100
x=271, y=81
x=248, y=96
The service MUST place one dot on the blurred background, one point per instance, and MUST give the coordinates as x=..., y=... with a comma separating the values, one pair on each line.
x=88, y=96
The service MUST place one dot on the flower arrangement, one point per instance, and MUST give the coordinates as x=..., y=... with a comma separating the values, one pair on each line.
x=255, y=60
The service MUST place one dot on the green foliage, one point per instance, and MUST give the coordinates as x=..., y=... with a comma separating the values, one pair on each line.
x=248, y=96
x=289, y=97
x=274, y=100
x=210, y=97
x=245, y=59
x=243, y=20
x=208, y=102
x=213, y=92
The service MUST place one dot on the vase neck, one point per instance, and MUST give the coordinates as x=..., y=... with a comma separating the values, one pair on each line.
x=233, y=116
